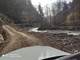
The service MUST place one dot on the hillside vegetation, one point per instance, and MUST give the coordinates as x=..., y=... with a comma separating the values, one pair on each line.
x=65, y=16
x=21, y=12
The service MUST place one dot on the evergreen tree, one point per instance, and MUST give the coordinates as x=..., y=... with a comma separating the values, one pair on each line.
x=40, y=10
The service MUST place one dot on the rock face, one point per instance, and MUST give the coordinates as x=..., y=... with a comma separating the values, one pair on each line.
x=1, y=23
x=1, y=39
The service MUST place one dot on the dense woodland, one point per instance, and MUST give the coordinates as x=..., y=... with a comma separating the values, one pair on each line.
x=20, y=11
x=23, y=12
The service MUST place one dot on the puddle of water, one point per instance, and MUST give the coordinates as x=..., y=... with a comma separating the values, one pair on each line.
x=36, y=30
x=75, y=33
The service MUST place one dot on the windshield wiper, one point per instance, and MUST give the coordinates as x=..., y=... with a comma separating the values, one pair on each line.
x=52, y=58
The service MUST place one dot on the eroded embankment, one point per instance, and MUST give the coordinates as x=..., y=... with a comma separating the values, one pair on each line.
x=18, y=40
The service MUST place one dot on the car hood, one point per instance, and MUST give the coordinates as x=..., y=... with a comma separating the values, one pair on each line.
x=33, y=53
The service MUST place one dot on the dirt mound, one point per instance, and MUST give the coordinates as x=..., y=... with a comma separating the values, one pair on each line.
x=18, y=40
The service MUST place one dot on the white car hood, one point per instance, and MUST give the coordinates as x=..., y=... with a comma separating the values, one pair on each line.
x=33, y=53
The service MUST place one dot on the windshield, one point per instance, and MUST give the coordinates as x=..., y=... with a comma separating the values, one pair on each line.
x=25, y=24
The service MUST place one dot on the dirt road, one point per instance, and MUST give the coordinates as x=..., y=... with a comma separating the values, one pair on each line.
x=19, y=40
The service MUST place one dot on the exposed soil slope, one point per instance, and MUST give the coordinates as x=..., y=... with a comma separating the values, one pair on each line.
x=19, y=40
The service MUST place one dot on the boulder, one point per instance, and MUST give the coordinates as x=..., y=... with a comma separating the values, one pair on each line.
x=1, y=24
x=1, y=39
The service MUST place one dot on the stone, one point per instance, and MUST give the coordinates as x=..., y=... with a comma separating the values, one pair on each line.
x=1, y=39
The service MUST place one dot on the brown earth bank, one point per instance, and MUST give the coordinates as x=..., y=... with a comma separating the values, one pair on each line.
x=70, y=44
x=17, y=40
x=62, y=41
x=20, y=37
x=73, y=28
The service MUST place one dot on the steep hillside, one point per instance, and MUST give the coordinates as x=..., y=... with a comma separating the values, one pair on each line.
x=21, y=12
x=5, y=19
x=74, y=15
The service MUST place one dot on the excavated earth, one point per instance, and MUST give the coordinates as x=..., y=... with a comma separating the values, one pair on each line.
x=16, y=38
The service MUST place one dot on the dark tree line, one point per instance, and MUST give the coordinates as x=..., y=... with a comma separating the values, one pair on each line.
x=21, y=11
x=64, y=15
x=74, y=15
x=60, y=14
x=68, y=15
